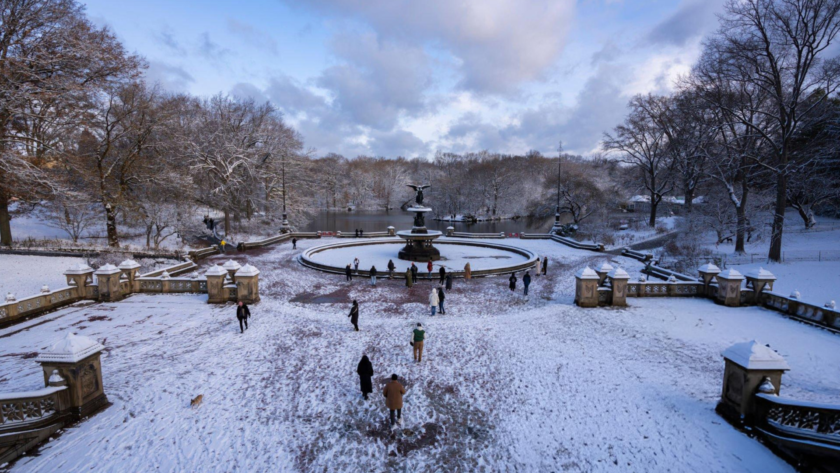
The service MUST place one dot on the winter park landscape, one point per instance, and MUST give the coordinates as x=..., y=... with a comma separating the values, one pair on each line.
x=451, y=236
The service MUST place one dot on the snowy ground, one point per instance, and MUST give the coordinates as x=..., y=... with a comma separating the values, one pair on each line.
x=23, y=276
x=453, y=257
x=508, y=383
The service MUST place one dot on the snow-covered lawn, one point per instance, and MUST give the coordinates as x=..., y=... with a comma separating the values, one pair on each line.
x=23, y=276
x=507, y=383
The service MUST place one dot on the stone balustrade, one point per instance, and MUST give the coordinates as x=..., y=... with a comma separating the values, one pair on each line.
x=73, y=390
x=114, y=283
x=806, y=433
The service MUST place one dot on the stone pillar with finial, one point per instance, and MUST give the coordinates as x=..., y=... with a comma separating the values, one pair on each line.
x=231, y=267
x=247, y=284
x=750, y=367
x=586, y=287
x=707, y=273
x=216, y=293
x=618, y=280
x=129, y=270
x=729, y=287
x=110, y=289
x=74, y=360
x=79, y=275
x=602, y=271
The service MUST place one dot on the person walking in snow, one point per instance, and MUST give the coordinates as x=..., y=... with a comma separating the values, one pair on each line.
x=441, y=297
x=222, y=246
x=365, y=371
x=356, y=265
x=413, y=273
x=434, y=301
x=409, y=278
x=391, y=267
x=357, y=233
x=348, y=273
x=354, y=315
x=373, y=275
x=526, y=281
x=442, y=274
x=539, y=266
x=242, y=314
x=430, y=267
x=512, y=281
x=361, y=232
x=467, y=272
x=294, y=243
x=393, y=393
x=418, y=336
x=545, y=266
x=449, y=282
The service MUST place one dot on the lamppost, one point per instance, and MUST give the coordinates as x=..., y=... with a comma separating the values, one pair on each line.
x=556, y=228
x=284, y=225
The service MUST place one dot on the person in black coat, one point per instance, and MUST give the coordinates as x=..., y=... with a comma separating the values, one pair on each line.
x=242, y=314
x=545, y=266
x=294, y=243
x=512, y=280
x=349, y=273
x=354, y=315
x=442, y=273
x=526, y=281
x=365, y=371
x=449, y=282
x=414, y=273
x=391, y=268
x=441, y=297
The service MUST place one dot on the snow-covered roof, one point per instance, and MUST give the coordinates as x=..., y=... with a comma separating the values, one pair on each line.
x=216, y=270
x=231, y=265
x=710, y=268
x=587, y=273
x=70, y=349
x=605, y=267
x=247, y=270
x=730, y=274
x=107, y=269
x=618, y=273
x=640, y=198
x=753, y=355
x=762, y=274
x=79, y=268
x=129, y=264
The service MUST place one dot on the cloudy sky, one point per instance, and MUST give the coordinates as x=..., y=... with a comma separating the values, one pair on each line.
x=407, y=78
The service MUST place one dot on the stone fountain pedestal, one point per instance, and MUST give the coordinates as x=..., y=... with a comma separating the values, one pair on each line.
x=418, y=241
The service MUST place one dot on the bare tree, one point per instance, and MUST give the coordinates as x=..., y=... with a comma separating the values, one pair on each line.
x=642, y=144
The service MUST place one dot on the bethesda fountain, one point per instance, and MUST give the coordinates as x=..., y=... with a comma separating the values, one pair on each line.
x=418, y=240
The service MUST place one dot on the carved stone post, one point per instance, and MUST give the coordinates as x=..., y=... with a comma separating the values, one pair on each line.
x=747, y=365
x=129, y=269
x=392, y=231
x=729, y=287
x=450, y=230
x=602, y=271
x=110, y=289
x=708, y=272
x=79, y=275
x=76, y=361
x=618, y=281
x=586, y=288
x=215, y=285
x=758, y=279
x=231, y=267
x=247, y=284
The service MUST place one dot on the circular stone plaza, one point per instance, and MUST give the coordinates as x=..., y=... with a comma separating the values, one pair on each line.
x=508, y=382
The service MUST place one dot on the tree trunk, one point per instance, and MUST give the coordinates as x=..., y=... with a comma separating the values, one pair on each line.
x=5, y=221
x=689, y=198
x=775, y=253
x=111, y=226
x=653, y=204
x=807, y=215
x=227, y=222
x=741, y=229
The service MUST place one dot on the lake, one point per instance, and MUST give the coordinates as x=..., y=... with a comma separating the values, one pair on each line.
x=378, y=221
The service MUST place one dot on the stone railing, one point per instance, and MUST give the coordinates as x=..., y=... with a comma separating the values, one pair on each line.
x=665, y=289
x=665, y=274
x=115, y=283
x=197, y=255
x=364, y=234
x=637, y=255
x=455, y=234
x=535, y=236
x=73, y=390
x=805, y=433
x=247, y=245
x=822, y=316
x=578, y=245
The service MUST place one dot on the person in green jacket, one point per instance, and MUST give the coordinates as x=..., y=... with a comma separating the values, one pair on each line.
x=409, y=281
x=418, y=336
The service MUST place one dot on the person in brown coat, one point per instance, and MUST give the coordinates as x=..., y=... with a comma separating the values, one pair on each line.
x=467, y=271
x=393, y=393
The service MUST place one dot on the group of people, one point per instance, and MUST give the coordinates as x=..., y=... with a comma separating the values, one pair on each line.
x=394, y=390
x=541, y=268
x=360, y=233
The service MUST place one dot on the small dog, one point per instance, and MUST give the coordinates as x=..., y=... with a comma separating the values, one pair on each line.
x=197, y=401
